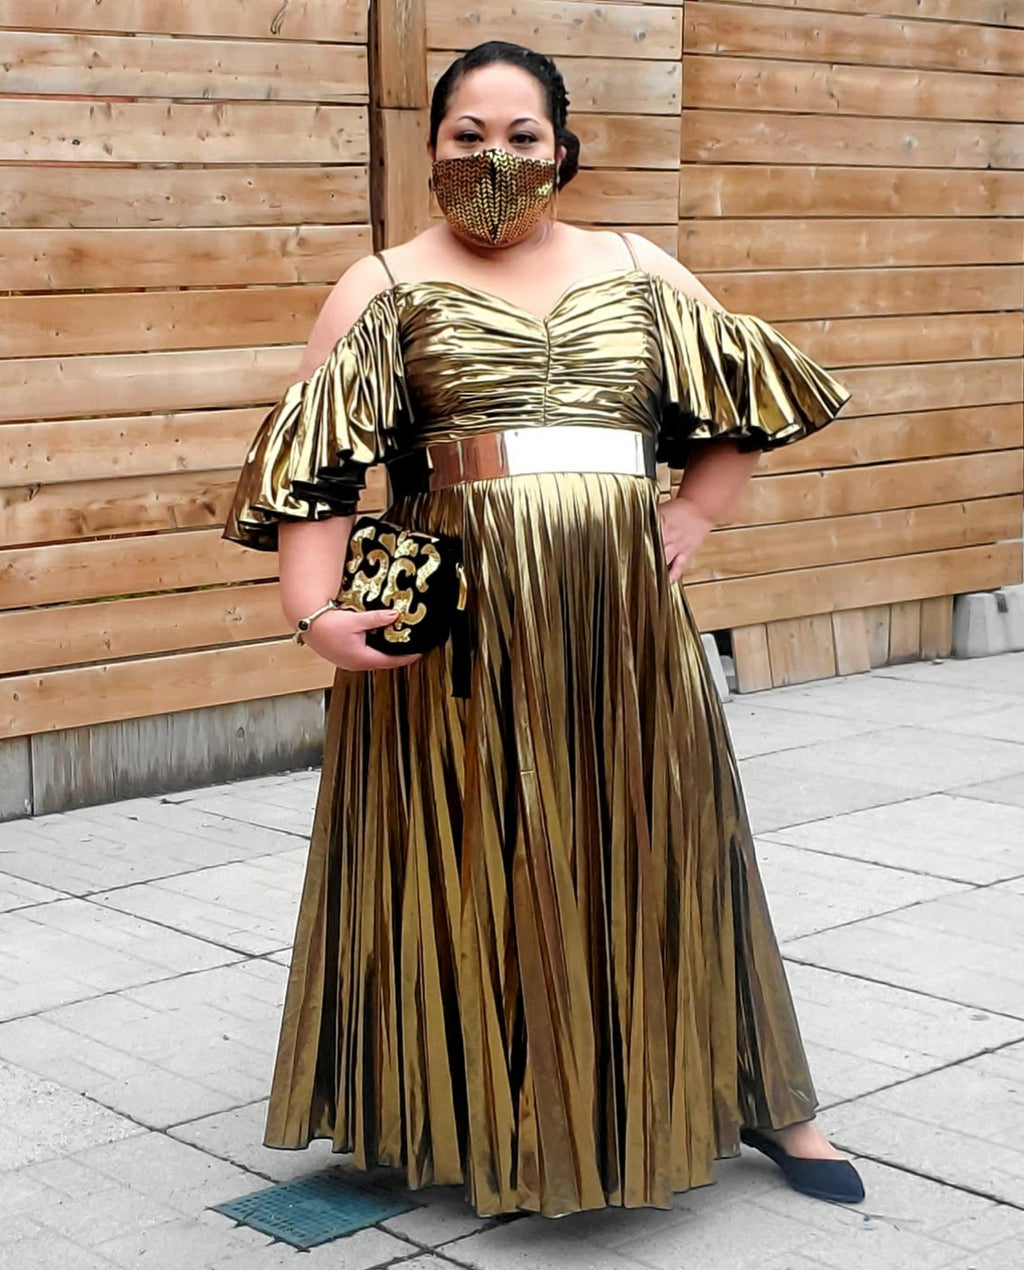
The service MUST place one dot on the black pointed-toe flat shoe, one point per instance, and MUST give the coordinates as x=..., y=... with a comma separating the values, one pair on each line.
x=835, y=1180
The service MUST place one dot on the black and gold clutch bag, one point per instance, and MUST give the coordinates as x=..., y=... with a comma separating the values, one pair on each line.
x=421, y=575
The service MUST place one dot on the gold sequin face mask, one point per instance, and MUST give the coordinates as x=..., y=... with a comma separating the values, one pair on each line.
x=493, y=198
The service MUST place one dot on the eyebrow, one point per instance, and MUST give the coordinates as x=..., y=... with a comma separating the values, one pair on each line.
x=522, y=119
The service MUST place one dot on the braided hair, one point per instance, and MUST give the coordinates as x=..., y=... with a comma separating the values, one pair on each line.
x=543, y=70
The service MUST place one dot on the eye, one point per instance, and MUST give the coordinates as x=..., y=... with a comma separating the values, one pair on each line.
x=469, y=137
x=524, y=139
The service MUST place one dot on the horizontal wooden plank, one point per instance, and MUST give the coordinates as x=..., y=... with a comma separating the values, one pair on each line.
x=984, y=12
x=42, y=131
x=67, y=572
x=36, y=514
x=801, y=496
x=891, y=438
x=579, y=29
x=71, y=197
x=738, y=553
x=743, y=83
x=157, y=685
x=330, y=21
x=628, y=141
x=796, y=295
x=80, y=259
x=729, y=136
x=831, y=588
x=933, y=386
x=136, y=321
x=75, y=634
x=752, y=31
x=606, y=196
x=136, y=445
x=128, y=383
x=849, y=243
x=605, y=84
x=124, y=505
x=51, y=62
x=888, y=341
x=738, y=190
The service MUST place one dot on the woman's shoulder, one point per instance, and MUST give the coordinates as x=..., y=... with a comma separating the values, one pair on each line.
x=660, y=264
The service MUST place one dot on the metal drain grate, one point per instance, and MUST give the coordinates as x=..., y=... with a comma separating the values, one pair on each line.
x=316, y=1209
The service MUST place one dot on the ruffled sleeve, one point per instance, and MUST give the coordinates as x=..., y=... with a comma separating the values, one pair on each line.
x=309, y=458
x=734, y=376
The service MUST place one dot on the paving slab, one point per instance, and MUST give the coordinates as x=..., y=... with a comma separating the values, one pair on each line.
x=71, y=950
x=237, y=1136
x=172, y=1051
x=891, y=699
x=365, y=1250
x=1004, y=724
x=17, y=893
x=757, y=729
x=862, y=1036
x=941, y=835
x=779, y=793
x=1003, y=675
x=249, y=906
x=41, y=1120
x=915, y=760
x=963, y=948
x=95, y=848
x=1009, y=790
x=964, y=1124
x=810, y=891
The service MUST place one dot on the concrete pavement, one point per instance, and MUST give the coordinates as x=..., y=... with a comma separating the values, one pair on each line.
x=143, y=953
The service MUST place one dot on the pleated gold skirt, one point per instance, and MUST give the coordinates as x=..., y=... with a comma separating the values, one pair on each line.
x=533, y=951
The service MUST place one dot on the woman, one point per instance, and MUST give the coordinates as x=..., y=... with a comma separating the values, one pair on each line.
x=533, y=952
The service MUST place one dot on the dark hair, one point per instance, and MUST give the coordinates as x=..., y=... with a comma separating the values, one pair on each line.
x=543, y=70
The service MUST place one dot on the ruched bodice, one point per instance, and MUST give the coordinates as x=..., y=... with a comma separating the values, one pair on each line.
x=475, y=363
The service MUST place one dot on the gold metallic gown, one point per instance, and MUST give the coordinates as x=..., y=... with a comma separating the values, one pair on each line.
x=533, y=952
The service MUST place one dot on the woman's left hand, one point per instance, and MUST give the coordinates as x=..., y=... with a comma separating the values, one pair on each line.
x=683, y=528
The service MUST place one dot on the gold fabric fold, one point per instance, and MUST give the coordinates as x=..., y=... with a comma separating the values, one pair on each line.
x=734, y=375
x=533, y=954
x=310, y=454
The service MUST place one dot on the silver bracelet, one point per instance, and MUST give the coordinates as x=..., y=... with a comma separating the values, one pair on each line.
x=304, y=623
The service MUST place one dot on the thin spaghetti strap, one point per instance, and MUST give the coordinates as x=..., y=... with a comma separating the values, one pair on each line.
x=629, y=248
x=386, y=267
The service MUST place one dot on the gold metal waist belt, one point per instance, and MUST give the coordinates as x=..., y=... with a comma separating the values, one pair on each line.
x=521, y=452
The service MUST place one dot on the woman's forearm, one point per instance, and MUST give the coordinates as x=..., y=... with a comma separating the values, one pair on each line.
x=715, y=474
x=311, y=556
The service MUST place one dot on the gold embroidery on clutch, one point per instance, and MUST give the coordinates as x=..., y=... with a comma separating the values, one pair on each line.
x=379, y=570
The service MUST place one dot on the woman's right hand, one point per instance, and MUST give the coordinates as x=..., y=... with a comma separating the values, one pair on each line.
x=340, y=638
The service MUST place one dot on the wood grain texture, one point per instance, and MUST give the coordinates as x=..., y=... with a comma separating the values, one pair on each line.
x=137, y=321
x=114, y=630
x=801, y=649
x=937, y=626
x=52, y=131
x=984, y=12
x=75, y=197
x=81, y=259
x=51, y=700
x=861, y=39
x=44, y=63
x=717, y=136
x=778, y=596
x=850, y=640
x=741, y=83
x=329, y=21
x=738, y=190
x=750, y=653
x=562, y=28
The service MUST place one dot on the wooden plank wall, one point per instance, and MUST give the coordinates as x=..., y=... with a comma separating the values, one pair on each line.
x=182, y=184
x=185, y=181
x=853, y=170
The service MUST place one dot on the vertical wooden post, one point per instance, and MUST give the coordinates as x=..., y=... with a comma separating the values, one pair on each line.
x=399, y=165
